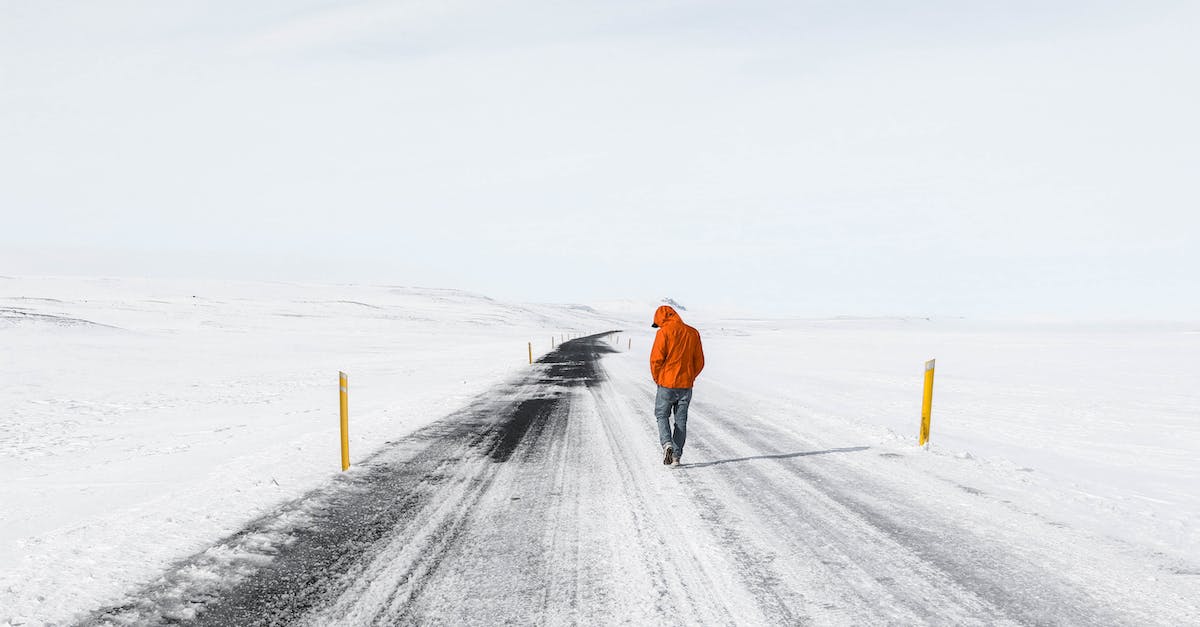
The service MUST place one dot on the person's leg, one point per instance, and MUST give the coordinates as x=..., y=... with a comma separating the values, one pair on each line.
x=662, y=412
x=682, y=399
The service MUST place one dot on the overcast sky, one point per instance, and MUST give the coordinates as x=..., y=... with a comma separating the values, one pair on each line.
x=987, y=159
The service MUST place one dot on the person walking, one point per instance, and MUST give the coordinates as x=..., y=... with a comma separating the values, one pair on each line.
x=675, y=360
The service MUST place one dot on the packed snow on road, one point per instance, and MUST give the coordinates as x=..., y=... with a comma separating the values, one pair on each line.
x=170, y=452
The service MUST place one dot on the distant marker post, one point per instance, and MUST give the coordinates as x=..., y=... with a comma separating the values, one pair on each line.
x=531, y=353
x=344, y=402
x=926, y=404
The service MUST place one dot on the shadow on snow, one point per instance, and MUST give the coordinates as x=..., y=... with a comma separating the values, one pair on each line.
x=850, y=449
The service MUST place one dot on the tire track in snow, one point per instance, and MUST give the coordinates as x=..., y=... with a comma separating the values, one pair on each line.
x=545, y=502
x=855, y=545
x=590, y=543
x=687, y=565
x=967, y=566
x=797, y=570
x=417, y=495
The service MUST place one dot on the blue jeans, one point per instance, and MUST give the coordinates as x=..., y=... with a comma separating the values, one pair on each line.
x=670, y=400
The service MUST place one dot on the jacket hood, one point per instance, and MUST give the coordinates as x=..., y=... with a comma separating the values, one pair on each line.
x=665, y=314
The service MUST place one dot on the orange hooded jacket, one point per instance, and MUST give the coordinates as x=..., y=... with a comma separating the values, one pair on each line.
x=677, y=356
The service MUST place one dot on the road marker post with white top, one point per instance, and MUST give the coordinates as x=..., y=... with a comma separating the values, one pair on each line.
x=926, y=405
x=344, y=402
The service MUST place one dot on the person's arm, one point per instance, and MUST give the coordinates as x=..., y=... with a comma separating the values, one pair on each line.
x=699, y=357
x=658, y=354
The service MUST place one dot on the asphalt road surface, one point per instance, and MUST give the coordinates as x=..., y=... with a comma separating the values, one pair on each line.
x=545, y=502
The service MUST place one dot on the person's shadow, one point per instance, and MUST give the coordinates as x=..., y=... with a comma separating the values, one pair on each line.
x=849, y=449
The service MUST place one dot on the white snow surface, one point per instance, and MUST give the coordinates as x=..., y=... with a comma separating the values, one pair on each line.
x=141, y=421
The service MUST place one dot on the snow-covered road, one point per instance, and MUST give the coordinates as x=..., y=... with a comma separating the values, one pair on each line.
x=545, y=502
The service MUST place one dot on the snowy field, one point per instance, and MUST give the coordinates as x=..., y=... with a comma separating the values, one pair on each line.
x=142, y=420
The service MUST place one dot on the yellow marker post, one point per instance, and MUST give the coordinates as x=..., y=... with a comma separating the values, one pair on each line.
x=531, y=352
x=926, y=404
x=344, y=398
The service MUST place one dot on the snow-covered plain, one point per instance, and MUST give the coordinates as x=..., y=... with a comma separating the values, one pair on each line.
x=140, y=420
